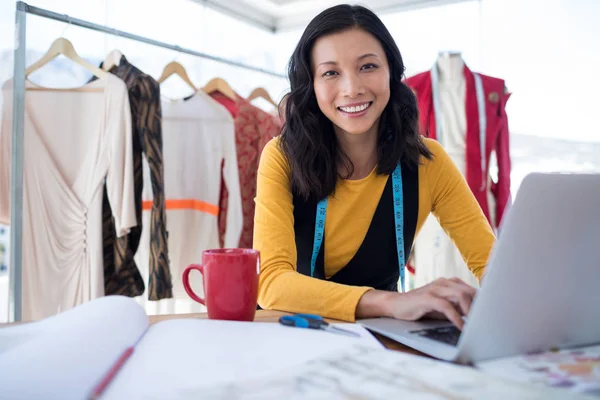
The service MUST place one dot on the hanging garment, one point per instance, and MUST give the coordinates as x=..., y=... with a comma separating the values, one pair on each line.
x=435, y=255
x=121, y=275
x=74, y=142
x=253, y=130
x=199, y=138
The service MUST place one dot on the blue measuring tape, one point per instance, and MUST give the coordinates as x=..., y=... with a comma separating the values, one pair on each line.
x=398, y=222
x=319, y=233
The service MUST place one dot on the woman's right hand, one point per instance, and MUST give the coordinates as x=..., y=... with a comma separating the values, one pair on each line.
x=443, y=298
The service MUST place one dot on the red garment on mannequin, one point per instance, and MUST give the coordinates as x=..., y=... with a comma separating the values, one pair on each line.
x=497, y=135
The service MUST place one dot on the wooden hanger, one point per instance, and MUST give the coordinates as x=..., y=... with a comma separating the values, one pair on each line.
x=112, y=59
x=261, y=92
x=220, y=85
x=175, y=68
x=64, y=47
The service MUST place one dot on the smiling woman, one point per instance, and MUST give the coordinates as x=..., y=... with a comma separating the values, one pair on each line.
x=363, y=92
x=346, y=61
x=352, y=92
x=346, y=187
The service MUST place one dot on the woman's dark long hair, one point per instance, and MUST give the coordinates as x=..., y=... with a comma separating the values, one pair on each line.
x=308, y=140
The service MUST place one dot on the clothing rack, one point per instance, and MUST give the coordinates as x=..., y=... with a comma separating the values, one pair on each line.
x=17, y=151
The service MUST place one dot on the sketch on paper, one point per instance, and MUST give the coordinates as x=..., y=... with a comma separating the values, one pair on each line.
x=577, y=369
x=366, y=373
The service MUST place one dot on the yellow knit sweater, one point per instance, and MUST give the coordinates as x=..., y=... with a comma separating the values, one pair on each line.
x=443, y=191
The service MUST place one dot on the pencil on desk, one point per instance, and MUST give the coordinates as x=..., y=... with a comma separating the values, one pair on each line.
x=107, y=379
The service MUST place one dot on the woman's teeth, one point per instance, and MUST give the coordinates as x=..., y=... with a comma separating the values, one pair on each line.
x=355, y=109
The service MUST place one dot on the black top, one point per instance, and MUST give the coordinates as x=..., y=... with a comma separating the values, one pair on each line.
x=375, y=263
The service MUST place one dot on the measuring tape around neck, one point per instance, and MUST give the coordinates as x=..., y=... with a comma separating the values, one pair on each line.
x=398, y=223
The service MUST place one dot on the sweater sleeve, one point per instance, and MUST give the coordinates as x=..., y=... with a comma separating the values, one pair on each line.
x=119, y=176
x=457, y=210
x=281, y=286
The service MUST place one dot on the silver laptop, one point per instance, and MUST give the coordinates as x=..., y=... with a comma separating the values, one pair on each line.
x=541, y=289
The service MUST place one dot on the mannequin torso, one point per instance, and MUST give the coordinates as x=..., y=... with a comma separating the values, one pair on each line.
x=435, y=255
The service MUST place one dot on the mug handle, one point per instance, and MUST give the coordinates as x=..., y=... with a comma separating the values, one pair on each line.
x=186, y=281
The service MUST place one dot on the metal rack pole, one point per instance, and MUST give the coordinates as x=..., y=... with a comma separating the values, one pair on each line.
x=89, y=25
x=16, y=171
x=18, y=129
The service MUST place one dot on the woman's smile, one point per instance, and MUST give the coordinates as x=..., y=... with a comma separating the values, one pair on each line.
x=355, y=110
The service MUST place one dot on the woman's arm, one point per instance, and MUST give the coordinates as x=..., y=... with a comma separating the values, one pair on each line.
x=281, y=287
x=463, y=220
x=444, y=298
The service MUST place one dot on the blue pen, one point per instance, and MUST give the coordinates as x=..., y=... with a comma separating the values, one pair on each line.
x=310, y=321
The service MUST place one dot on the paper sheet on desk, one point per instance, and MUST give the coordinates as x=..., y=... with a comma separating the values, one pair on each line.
x=375, y=374
x=182, y=354
x=64, y=356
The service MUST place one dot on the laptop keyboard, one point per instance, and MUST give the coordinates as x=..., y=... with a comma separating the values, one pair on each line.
x=445, y=334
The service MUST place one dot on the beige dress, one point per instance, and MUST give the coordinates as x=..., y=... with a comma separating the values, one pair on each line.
x=74, y=142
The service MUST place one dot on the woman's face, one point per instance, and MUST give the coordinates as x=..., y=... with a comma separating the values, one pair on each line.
x=351, y=80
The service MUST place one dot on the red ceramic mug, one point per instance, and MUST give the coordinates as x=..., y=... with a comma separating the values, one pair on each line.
x=230, y=281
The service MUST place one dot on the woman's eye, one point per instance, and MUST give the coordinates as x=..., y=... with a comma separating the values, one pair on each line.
x=368, y=66
x=330, y=73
